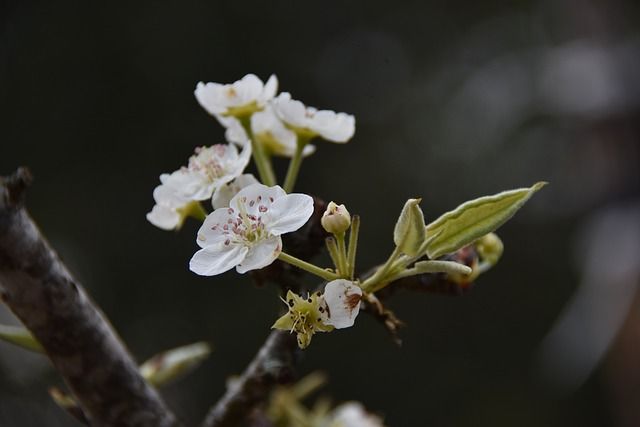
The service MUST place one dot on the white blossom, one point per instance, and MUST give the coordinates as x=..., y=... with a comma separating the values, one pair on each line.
x=268, y=130
x=353, y=414
x=170, y=209
x=332, y=126
x=223, y=195
x=240, y=98
x=208, y=169
x=342, y=298
x=246, y=235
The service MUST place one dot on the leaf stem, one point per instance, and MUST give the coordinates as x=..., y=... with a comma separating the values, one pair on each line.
x=373, y=283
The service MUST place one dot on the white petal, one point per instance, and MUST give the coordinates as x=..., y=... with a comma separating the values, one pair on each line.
x=167, y=196
x=273, y=134
x=207, y=97
x=267, y=194
x=249, y=89
x=213, y=232
x=308, y=150
x=261, y=254
x=289, y=213
x=223, y=152
x=343, y=299
x=234, y=132
x=187, y=184
x=270, y=89
x=223, y=195
x=353, y=414
x=289, y=110
x=334, y=127
x=164, y=177
x=164, y=217
x=241, y=162
x=217, y=259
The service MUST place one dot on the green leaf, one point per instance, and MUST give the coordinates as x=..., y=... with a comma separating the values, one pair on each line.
x=448, y=267
x=409, y=233
x=172, y=364
x=20, y=337
x=474, y=219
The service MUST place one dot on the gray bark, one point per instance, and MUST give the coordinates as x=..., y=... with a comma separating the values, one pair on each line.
x=273, y=365
x=75, y=334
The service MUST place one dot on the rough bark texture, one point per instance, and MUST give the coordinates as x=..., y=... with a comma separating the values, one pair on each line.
x=273, y=365
x=75, y=334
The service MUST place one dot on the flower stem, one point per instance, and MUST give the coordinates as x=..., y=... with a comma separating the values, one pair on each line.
x=294, y=164
x=262, y=160
x=197, y=211
x=332, y=248
x=342, y=255
x=353, y=245
x=303, y=265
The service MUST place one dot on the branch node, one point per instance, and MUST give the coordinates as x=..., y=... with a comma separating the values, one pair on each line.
x=15, y=185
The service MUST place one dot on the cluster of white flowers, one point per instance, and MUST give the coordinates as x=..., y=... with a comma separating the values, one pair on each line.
x=208, y=169
x=276, y=124
x=244, y=230
x=274, y=121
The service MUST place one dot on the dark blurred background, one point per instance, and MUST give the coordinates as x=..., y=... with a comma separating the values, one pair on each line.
x=453, y=100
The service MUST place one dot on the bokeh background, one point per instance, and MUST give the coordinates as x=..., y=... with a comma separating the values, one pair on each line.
x=453, y=100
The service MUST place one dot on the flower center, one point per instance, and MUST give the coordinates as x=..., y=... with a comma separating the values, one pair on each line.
x=206, y=162
x=306, y=317
x=243, y=227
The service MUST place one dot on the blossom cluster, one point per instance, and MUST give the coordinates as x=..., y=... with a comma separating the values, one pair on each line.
x=252, y=116
x=248, y=219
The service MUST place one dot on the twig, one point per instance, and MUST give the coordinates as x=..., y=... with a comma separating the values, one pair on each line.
x=76, y=336
x=273, y=365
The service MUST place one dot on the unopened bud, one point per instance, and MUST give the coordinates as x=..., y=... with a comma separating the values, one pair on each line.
x=489, y=248
x=172, y=364
x=336, y=219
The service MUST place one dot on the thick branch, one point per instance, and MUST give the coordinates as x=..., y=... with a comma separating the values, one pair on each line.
x=83, y=347
x=273, y=365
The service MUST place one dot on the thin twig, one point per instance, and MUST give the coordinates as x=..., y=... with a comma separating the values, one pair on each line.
x=76, y=336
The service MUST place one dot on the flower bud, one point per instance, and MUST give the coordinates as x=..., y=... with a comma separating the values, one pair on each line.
x=489, y=248
x=172, y=364
x=336, y=219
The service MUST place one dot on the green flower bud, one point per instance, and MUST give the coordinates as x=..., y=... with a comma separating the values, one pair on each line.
x=336, y=219
x=172, y=364
x=489, y=248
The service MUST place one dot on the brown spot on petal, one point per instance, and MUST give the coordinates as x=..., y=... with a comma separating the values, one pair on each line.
x=353, y=300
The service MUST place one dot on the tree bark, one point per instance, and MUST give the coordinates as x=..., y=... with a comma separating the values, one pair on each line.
x=76, y=336
x=274, y=364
